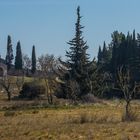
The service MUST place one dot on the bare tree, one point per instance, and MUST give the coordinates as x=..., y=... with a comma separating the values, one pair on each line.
x=72, y=90
x=19, y=82
x=127, y=86
x=46, y=63
x=7, y=84
x=26, y=63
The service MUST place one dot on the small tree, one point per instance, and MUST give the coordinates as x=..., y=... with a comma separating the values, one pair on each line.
x=73, y=89
x=18, y=57
x=9, y=55
x=46, y=64
x=18, y=66
x=128, y=87
x=7, y=85
x=98, y=79
x=33, y=69
x=27, y=63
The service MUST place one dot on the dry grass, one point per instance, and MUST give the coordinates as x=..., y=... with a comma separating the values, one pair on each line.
x=89, y=122
x=131, y=116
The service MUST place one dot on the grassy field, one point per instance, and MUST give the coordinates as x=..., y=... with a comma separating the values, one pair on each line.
x=83, y=122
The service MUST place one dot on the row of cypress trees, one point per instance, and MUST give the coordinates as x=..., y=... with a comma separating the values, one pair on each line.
x=18, y=58
x=122, y=50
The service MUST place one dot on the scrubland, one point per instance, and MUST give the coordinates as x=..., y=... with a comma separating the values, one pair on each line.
x=99, y=121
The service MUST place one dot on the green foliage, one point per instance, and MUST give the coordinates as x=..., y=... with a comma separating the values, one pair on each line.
x=123, y=50
x=104, y=57
x=18, y=58
x=99, y=55
x=31, y=90
x=78, y=59
x=9, y=55
x=98, y=79
x=33, y=69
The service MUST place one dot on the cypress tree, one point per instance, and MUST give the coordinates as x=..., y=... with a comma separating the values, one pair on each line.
x=138, y=49
x=104, y=53
x=106, y=57
x=33, y=60
x=9, y=55
x=78, y=59
x=18, y=57
x=134, y=44
x=134, y=60
x=134, y=36
x=122, y=59
x=138, y=40
x=99, y=55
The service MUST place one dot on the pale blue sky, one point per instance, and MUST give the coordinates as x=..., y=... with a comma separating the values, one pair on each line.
x=49, y=24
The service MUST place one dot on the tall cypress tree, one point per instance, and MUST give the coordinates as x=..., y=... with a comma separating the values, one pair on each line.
x=33, y=60
x=99, y=55
x=104, y=53
x=134, y=36
x=18, y=57
x=78, y=59
x=9, y=55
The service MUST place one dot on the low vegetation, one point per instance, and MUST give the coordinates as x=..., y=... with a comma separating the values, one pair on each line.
x=32, y=90
x=98, y=121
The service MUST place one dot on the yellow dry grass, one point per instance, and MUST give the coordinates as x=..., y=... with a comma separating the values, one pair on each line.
x=85, y=122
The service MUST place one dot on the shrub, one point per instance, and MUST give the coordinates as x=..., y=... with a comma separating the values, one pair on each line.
x=35, y=111
x=81, y=119
x=9, y=114
x=84, y=118
x=68, y=90
x=89, y=98
x=32, y=90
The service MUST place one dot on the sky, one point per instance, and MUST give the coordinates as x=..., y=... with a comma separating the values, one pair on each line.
x=50, y=24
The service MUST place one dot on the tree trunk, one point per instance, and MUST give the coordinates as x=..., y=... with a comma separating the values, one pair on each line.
x=9, y=95
x=50, y=99
x=127, y=108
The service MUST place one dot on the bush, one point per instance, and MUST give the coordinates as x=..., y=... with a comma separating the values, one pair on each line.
x=81, y=119
x=32, y=90
x=69, y=90
x=9, y=114
x=89, y=98
x=85, y=117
